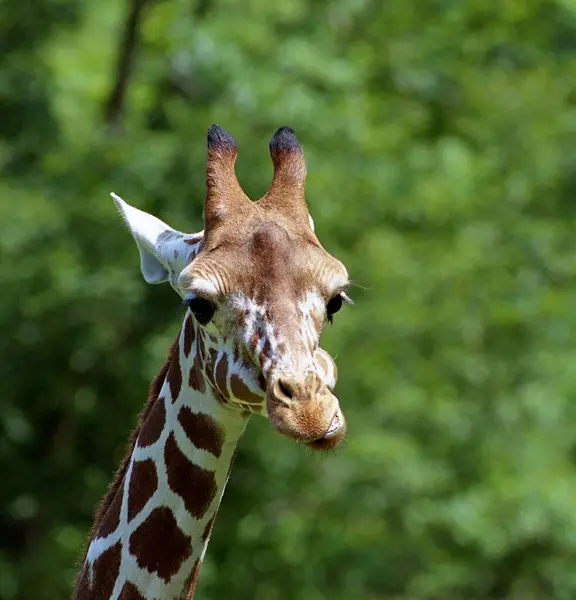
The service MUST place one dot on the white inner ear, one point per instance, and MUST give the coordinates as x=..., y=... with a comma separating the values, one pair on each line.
x=150, y=236
x=152, y=269
x=311, y=221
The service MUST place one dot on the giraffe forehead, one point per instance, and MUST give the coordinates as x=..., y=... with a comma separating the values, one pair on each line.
x=271, y=239
x=285, y=263
x=268, y=249
x=266, y=264
x=278, y=262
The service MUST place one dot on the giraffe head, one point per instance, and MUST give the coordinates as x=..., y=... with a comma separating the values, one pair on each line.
x=258, y=280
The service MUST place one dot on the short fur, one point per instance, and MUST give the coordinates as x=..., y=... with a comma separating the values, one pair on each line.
x=153, y=393
x=271, y=281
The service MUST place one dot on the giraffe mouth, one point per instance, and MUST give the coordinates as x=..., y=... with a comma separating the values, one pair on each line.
x=333, y=436
x=334, y=426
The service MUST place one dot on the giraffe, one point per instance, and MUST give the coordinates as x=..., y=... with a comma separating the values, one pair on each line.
x=258, y=288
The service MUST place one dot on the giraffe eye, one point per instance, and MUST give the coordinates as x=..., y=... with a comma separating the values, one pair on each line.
x=333, y=306
x=201, y=308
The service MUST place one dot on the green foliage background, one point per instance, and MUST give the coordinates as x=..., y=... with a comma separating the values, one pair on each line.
x=441, y=143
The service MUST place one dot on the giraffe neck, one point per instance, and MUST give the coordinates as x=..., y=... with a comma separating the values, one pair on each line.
x=152, y=531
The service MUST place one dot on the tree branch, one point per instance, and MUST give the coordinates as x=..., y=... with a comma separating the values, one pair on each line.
x=114, y=106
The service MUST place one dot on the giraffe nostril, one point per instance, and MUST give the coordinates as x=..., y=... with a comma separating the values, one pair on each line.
x=284, y=389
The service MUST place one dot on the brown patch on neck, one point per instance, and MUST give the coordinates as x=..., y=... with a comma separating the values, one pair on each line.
x=110, y=501
x=221, y=376
x=210, y=374
x=202, y=430
x=130, y=592
x=143, y=484
x=105, y=570
x=195, y=485
x=152, y=429
x=188, y=335
x=205, y=537
x=174, y=374
x=175, y=546
x=111, y=518
x=196, y=376
x=242, y=392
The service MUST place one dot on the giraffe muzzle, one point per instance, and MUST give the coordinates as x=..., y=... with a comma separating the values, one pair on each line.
x=307, y=411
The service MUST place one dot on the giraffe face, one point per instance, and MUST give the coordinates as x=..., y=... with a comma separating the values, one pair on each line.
x=271, y=288
x=259, y=281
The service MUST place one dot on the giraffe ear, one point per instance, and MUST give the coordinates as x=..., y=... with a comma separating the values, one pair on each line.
x=152, y=237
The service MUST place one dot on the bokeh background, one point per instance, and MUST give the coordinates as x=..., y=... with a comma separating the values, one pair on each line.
x=440, y=137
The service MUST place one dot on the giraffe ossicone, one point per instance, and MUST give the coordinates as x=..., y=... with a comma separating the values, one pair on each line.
x=258, y=287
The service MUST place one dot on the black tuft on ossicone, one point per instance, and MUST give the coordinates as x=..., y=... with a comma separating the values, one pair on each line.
x=284, y=139
x=220, y=138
